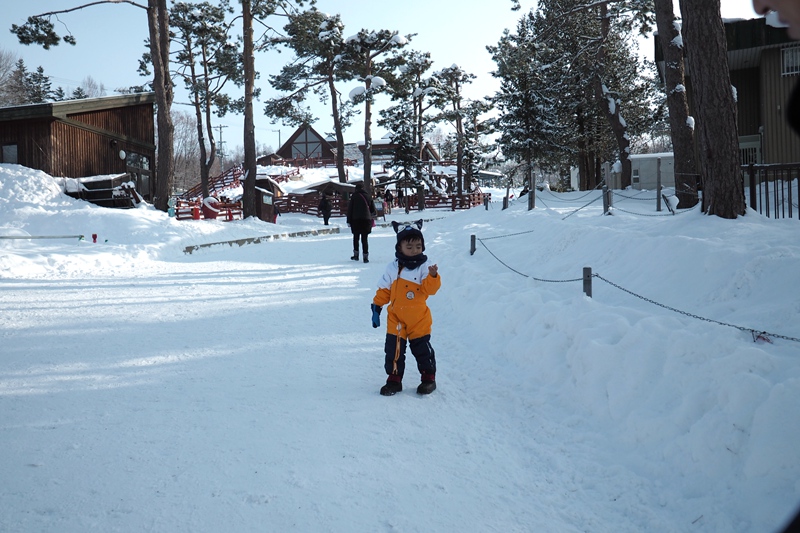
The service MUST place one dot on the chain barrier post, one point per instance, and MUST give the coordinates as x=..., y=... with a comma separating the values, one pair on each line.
x=587, y=281
x=472, y=245
x=605, y=199
x=658, y=184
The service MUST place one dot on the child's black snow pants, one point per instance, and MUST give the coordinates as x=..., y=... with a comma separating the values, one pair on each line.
x=421, y=349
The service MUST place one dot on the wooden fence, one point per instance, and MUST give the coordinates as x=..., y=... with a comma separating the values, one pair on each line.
x=195, y=210
x=772, y=190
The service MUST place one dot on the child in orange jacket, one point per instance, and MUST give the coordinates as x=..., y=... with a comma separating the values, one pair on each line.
x=405, y=287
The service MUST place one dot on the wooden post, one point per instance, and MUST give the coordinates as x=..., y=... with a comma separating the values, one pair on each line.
x=658, y=184
x=751, y=171
x=587, y=281
x=605, y=199
x=471, y=244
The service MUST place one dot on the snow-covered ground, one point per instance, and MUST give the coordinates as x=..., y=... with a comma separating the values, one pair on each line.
x=236, y=388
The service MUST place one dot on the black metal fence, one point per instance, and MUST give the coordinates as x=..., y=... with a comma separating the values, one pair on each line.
x=772, y=190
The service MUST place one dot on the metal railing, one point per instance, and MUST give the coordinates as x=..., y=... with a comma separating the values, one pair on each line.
x=772, y=190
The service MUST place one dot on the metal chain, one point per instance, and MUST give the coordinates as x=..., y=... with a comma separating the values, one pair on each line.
x=683, y=212
x=526, y=275
x=755, y=332
x=509, y=235
x=587, y=205
x=634, y=197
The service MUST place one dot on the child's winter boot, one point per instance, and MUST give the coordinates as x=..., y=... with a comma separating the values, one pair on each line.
x=394, y=384
x=355, y=255
x=366, y=257
x=428, y=384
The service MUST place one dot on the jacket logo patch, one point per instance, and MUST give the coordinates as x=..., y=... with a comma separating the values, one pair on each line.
x=410, y=295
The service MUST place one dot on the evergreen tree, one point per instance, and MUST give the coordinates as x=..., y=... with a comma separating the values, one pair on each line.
x=59, y=95
x=399, y=120
x=317, y=41
x=15, y=89
x=573, y=42
x=528, y=122
x=712, y=94
x=681, y=128
x=78, y=94
x=38, y=87
x=411, y=87
x=361, y=61
x=261, y=11
x=450, y=97
x=206, y=62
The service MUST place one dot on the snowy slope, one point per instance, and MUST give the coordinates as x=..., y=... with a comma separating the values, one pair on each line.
x=235, y=388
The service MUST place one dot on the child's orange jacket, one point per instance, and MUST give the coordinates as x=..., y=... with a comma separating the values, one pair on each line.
x=406, y=291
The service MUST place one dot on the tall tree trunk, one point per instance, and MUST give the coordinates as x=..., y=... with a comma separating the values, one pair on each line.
x=583, y=166
x=674, y=80
x=718, y=141
x=249, y=195
x=368, y=145
x=459, y=144
x=337, y=128
x=158, y=24
x=609, y=105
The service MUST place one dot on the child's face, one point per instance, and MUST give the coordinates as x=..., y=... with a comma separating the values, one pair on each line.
x=411, y=248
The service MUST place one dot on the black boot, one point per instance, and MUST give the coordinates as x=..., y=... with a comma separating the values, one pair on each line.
x=428, y=384
x=366, y=257
x=392, y=387
x=355, y=255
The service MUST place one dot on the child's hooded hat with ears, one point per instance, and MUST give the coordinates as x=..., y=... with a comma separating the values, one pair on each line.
x=408, y=230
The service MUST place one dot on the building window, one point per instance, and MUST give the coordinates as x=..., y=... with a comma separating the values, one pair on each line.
x=790, y=60
x=635, y=175
x=9, y=154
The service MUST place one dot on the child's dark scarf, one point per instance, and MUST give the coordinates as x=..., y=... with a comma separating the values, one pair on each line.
x=410, y=262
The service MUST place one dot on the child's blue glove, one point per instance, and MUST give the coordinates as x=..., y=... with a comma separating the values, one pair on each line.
x=376, y=315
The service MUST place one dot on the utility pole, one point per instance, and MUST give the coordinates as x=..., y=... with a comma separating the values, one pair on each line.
x=221, y=149
x=279, y=140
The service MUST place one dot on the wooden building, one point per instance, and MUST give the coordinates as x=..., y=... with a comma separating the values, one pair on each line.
x=85, y=137
x=383, y=150
x=764, y=66
x=306, y=146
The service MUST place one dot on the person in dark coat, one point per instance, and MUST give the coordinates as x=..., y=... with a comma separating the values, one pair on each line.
x=389, y=197
x=360, y=215
x=325, y=208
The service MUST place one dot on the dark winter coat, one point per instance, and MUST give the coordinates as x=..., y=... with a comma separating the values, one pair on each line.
x=360, y=212
x=325, y=206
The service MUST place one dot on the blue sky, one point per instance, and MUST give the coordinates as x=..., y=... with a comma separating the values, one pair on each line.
x=111, y=40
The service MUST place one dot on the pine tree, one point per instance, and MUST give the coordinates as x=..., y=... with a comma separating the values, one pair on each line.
x=261, y=11
x=712, y=94
x=450, y=82
x=78, y=94
x=206, y=61
x=528, y=123
x=364, y=59
x=14, y=90
x=317, y=41
x=38, y=87
x=681, y=128
x=400, y=122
